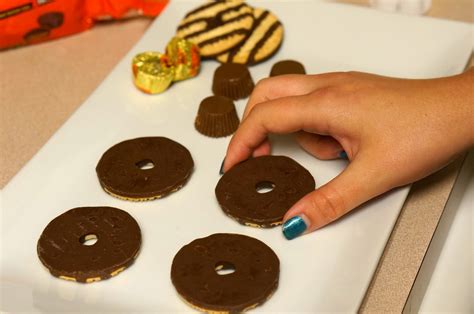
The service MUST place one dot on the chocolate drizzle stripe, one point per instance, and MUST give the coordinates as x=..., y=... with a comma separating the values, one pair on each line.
x=262, y=41
x=262, y=16
x=208, y=29
x=270, y=47
x=239, y=31
x=256, y=24
x=189, y=24
x=192, y=29
x=218, y=16
x=229, y=6
x=228, y=10
x=202, y=8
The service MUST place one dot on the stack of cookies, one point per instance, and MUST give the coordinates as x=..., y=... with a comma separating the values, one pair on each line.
x=231, y=31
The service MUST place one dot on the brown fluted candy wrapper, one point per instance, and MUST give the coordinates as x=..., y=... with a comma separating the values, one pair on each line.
x=184, y=56
x=217, y=117
x=287, y=67
x=232, y=80
x=152, y=72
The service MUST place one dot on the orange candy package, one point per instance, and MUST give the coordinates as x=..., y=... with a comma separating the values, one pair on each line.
x=24, y=22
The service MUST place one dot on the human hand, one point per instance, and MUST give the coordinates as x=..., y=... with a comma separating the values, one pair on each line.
x=394, y=132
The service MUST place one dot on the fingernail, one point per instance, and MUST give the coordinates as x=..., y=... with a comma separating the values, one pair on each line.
x=343, y=155
x=294, y=227
x=221, y=170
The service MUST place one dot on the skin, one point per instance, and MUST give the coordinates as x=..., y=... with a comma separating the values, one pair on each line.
x=394, y=131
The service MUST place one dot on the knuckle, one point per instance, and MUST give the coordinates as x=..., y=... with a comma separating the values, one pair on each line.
x=257, y=109
x=256, y=112
x=326, y=94
x=330, y=204
x=262, y=84
x=341, y=76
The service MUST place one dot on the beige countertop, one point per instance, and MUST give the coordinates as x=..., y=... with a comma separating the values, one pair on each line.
x=42, y=85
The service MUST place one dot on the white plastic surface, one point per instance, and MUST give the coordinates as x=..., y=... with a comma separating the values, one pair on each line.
x=328, y=270
x=415, y=7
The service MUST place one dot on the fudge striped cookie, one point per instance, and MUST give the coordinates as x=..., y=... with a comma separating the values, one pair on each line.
x=262, y=42
x=217, y=26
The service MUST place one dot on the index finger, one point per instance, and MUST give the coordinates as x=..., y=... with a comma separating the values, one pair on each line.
x=287, y=85
x=279, y=116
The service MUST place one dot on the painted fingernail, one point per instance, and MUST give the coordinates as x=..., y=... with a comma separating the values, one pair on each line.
x=294, y=227
x=343, y=155
x=221, y=170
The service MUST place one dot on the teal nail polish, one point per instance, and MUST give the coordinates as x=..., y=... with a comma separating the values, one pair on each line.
x=343, y=155
x=294, y=227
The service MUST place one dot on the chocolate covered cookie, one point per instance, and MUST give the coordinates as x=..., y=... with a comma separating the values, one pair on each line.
x=260, y=44
x=225, y=273
x=232, y=80
x=88, y=244
x=285, y=67
x=217, y=26
x=259, y=191
x=144, y=168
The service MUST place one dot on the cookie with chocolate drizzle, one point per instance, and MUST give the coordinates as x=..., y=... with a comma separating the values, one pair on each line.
x=217, y=26
x=260, y=44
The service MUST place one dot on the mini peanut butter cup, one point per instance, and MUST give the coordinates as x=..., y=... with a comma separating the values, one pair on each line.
x=216, y=117
x=232, y=80
x=287, y=67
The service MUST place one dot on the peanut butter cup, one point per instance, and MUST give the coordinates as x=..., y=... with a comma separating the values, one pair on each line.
x=287, y=67
x=232, y=80
x=217, y=117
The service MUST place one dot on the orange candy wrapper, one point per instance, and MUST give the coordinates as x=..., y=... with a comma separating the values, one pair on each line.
x=24, y=22
x=185, y=57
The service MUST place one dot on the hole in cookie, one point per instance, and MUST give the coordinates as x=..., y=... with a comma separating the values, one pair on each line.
x=145, y=164
x=264, y=187
x=88, y=239
x=224, y=268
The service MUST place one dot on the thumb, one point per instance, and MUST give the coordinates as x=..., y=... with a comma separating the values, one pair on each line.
x=355, y=185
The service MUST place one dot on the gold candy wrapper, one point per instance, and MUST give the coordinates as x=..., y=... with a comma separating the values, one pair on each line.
x=153, y=72
x=185, y=57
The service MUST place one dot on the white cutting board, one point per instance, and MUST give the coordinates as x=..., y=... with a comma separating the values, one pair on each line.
x=328, y=270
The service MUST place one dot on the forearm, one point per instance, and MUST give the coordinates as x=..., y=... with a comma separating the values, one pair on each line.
x=468, y=85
